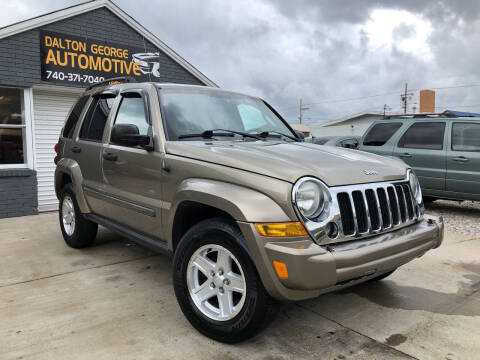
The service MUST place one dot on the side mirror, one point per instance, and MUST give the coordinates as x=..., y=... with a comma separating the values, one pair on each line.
x=128, y=135
x=300, y=134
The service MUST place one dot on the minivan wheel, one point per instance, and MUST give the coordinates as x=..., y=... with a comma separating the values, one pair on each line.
x=217, y=285
x=77, y=231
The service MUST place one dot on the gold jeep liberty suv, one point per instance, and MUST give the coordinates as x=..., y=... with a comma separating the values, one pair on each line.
x=251, y=214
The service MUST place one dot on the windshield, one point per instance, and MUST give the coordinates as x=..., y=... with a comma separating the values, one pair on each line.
x=192, y=111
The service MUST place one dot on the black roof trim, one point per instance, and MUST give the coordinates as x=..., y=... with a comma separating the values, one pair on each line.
x=113, y=81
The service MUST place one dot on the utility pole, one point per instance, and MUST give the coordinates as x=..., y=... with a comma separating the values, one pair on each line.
x=405, y=97
x=385, y=108
x=301, y=108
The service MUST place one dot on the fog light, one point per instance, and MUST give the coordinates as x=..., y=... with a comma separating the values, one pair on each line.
x=332, y=230
x=281, y=269
x=290, y=229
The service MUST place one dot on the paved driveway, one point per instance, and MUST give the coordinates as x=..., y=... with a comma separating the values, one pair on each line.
x=115, y=301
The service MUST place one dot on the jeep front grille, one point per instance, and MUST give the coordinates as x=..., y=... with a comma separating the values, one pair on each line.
x=363, y=210
x=375, y=208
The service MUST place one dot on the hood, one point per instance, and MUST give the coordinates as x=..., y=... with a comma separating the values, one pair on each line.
x=290, y=161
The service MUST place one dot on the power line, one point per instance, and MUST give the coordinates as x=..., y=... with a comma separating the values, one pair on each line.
x=320, y=119
x=456, y=106
x=344, y=100
x=383, y=94
x=315, y=121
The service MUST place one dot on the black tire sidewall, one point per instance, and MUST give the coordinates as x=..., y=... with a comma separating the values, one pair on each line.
x=252, y=316
x=67, y=191
x=79, y=238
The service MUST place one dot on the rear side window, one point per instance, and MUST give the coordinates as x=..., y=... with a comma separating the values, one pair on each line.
x=379, y=134
x=466, y=137
x=424, y=135
x=72, y=120
x=96, y=118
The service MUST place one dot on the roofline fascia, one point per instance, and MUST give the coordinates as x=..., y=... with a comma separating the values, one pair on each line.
x=82, y=8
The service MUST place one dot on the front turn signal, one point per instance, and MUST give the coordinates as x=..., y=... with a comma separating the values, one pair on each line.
x=281, y=269
x=289, y=229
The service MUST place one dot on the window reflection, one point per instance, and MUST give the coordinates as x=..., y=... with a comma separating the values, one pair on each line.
x=12, y=126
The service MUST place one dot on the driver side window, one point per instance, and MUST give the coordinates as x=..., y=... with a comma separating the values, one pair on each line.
x=132, y=111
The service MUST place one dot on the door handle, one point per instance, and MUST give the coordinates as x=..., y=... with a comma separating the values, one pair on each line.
x=110, y=156
x=76, y=149
x=405, y=155
x=460, y=159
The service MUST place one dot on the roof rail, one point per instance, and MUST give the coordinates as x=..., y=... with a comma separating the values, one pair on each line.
x=417, y=116
x=113, y=81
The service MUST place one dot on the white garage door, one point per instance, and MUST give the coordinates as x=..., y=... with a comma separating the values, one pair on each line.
x=50, y=108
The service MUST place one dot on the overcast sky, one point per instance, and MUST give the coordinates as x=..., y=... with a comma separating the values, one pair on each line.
x=324, y=52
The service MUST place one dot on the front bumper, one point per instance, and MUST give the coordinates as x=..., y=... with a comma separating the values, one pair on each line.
x=314, y=269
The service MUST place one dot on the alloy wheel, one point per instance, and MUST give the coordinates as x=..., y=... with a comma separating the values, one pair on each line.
x=68, y=215
x=216, y=282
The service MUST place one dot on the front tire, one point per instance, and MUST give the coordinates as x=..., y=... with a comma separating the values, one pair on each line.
x=427, y=200
x=78, y=232
x=217, y=285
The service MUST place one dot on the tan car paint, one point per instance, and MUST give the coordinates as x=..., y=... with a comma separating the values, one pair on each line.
x=290, y=161
x=251, y=181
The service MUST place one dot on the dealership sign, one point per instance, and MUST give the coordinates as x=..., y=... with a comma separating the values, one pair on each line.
x=80, y=60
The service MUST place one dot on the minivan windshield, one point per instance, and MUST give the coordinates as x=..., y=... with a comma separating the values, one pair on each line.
x=188, y=112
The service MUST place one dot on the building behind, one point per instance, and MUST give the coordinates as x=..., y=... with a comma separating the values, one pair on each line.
x=45, y=64
x=357, y=124
x=354, y=125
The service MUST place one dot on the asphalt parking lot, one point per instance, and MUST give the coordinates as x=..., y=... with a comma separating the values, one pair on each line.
x=115, y=301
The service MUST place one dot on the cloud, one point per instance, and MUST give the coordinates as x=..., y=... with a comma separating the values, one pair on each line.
x=320, y=51
x=328, y=50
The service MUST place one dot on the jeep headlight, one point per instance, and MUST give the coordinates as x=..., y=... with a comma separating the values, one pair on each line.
x=312, y=198
x=415, y=187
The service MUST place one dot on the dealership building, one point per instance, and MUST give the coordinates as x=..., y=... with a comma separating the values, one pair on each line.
x=45, y=64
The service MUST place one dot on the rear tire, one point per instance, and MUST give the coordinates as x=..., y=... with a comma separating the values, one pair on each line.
x=202, y=282
x=78, y=232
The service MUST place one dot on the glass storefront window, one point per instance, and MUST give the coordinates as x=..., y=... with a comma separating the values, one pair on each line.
x=12, y=126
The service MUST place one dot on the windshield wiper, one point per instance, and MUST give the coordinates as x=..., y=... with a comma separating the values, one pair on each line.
x=208, y=134
x=244, y=134
x=265, y=134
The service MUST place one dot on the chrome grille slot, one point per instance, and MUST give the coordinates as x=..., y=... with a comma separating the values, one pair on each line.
x=360, y=211
x=384, y=208
x=402, y=203
x=394, y=205
x=346, y=212
x=374, y=208
x=408, y=199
